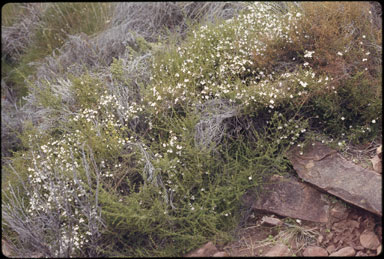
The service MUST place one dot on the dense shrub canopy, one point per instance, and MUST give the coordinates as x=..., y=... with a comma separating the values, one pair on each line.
x=140, y=133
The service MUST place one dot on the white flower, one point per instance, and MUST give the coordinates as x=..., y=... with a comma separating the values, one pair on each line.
x=298, y=14
x=373, y=121
x=272, y=101
x=308, y=54
x=250, y=178
x=304, y=84
x=342, y=118
x=339, y=53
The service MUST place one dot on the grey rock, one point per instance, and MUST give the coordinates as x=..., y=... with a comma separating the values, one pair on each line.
x=290, y=198
x=328, y=170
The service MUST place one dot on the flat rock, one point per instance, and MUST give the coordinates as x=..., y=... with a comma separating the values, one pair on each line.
x=315, y=251
x=278, y=250
x=346, y=251
x=209, y=249
x=271, y=221
x=328, y=170
x=369, y=240
x=289, y=198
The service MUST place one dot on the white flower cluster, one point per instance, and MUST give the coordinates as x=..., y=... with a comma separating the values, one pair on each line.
x=228, y=70
x=54, y=192
x=56, y=169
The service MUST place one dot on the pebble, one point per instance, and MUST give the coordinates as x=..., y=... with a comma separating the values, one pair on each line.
x=369, y=240
x=346, y=251
x=272, y=221
x=220, y=254
x=331, y=249
x=206, y=250
x=278, y=250
x=315, y=251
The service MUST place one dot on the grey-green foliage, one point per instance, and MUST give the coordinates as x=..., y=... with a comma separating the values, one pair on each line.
x=16, y=38
x=153, y=18
x=129, y=24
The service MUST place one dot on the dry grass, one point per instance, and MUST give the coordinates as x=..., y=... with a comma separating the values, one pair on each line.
x=154, y=20
x=19, y=22
x=291, y=235
x=211, y=128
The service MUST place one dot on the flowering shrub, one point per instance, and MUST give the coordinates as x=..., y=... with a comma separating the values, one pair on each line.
x=156, y=167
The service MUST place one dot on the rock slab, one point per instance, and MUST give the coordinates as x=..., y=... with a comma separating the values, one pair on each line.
x=328, y=170
x=289, y=198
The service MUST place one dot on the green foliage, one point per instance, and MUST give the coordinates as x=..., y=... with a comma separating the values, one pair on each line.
x=57, y=22
x=63, y=19
x=10, y=12
x=223, y=106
